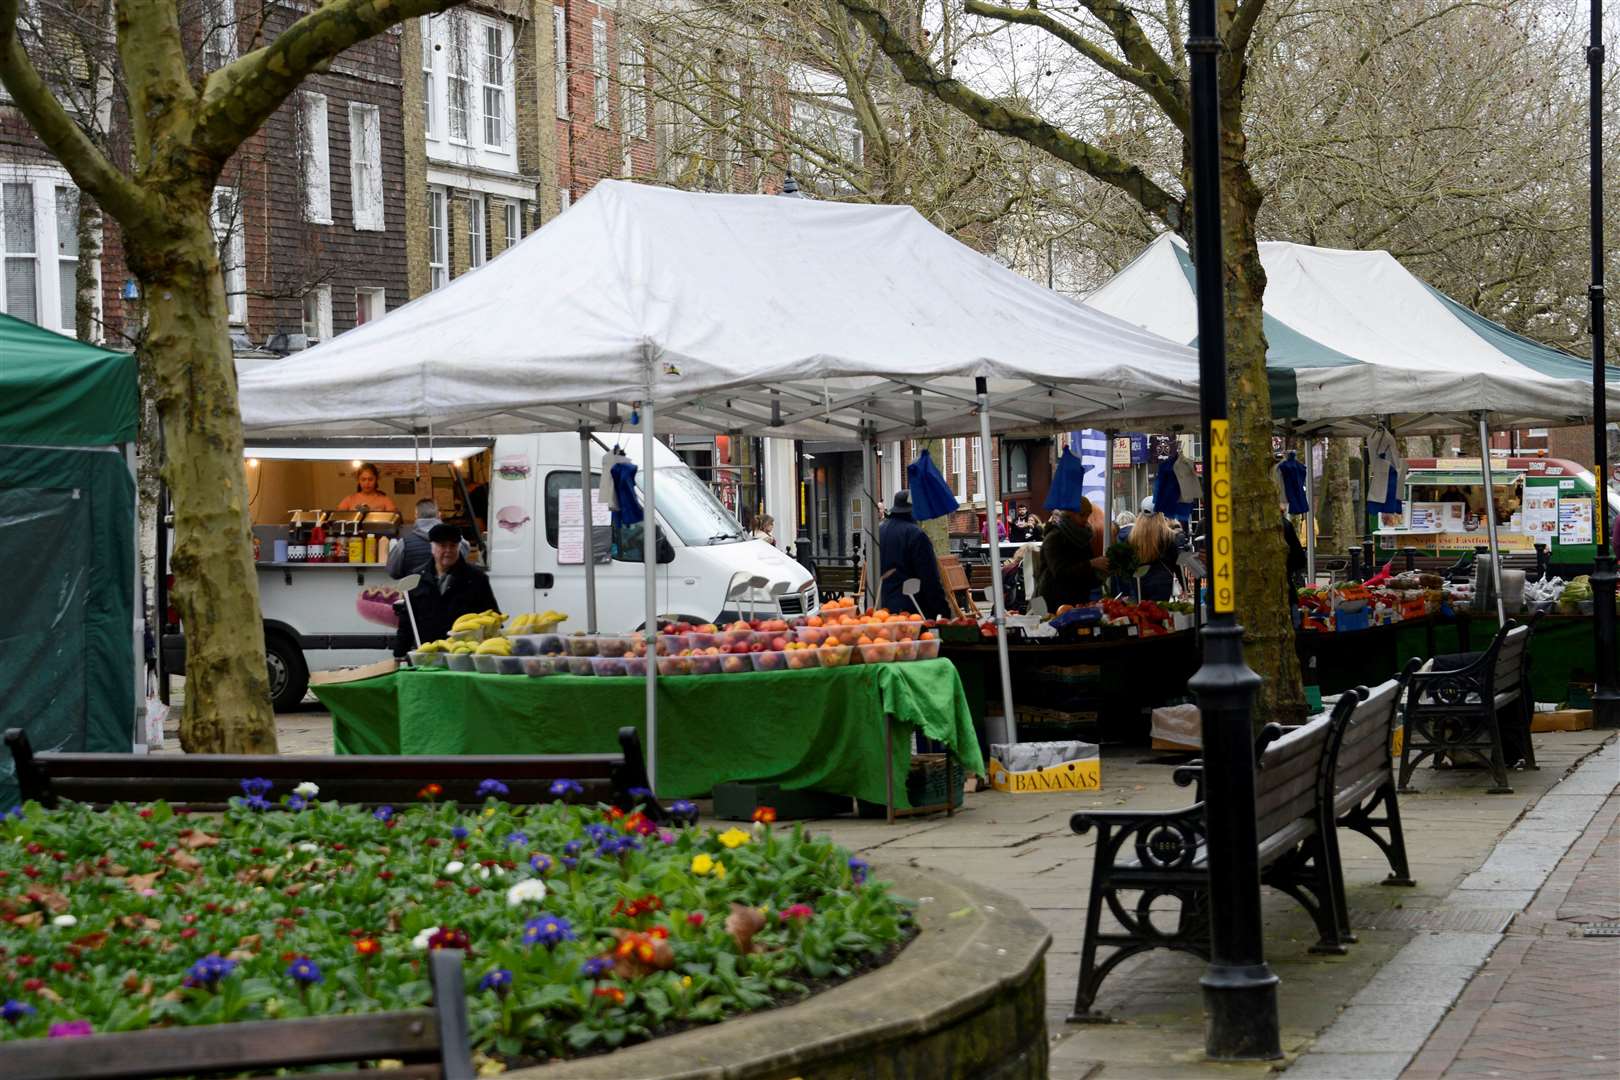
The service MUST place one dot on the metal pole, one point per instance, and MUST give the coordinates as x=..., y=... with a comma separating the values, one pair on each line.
x=1490, y=518
x=649, y=564
x=1606, y=694
x=585, y=489
x=869, y=516
x=1108, y=488
x=998, y=600
x=1240, y=990
x=1310, y=512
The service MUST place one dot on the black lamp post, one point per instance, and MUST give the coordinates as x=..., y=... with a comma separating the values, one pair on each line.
x=1606, y=695
x=1240, y=990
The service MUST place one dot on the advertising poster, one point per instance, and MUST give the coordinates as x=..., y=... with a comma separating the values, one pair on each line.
x=571, y=525
x=1541, y=513
x=1575, y=520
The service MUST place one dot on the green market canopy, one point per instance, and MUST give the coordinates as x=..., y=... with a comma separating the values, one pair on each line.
x=1353, y=336
x=69, y=641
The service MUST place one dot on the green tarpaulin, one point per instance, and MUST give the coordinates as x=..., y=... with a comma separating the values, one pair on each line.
x=67, y=540
x=817, y=729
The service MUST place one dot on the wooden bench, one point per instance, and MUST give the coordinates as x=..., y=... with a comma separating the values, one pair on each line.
x=432, y=1042
x=1460, y=712
x=837, y=579
x=210, y=781
x=1364, y=777
x=1160, y=854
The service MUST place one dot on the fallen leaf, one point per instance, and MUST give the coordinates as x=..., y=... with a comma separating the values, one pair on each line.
x=143, y=881
x=115, y=870
x=49, y=995
x=198, y=839
x=189, y=863
x=79, y=872
x=31, y=921
x=92, y=941
x=251, y=941
x=742, y=924
x=52, y=901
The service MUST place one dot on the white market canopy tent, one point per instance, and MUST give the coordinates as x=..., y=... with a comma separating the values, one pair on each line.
x=731, y=313
x=1353, y=336
x=738, y=310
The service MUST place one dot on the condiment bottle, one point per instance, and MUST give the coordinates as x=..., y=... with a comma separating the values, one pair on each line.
x=317, y=544
x=357, y=549
x=382, y=548
x=371, y=547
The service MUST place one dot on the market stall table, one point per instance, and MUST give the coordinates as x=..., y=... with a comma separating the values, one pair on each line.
x=822, y=729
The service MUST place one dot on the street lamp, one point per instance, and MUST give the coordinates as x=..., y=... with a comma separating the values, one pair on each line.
x=1606, y=694
x=1240, y=990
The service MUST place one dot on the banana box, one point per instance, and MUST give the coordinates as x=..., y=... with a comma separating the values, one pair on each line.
x=1026, y=768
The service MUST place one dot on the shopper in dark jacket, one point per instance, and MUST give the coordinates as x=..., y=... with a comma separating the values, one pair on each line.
x=450, y=588
x=904, y=551
x=1067, y=573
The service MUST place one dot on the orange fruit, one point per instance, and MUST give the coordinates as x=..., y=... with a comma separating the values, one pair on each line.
x=928, y=635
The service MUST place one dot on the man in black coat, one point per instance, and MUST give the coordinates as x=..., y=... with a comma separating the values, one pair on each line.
x=904, y=551
x=450, y=588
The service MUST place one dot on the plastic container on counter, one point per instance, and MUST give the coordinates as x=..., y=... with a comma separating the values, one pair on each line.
x=635, y=665
x=769, y=660
x=736, y=663
x=509, y=665
x=539, y=666
x=700, y=639
x=928, y=650
x=833, y=656
x=607, y=645
x=705, y=663
x=879, y=652
x=459, y=661
x=745, y=635
x=484, y=663
x=674, y=665
x=427, y=659
x=905, y=649
x=802, y=659
x=537, y=644
x=608, y=666
x=578, y=665
x=812, y=635
x=581, y=645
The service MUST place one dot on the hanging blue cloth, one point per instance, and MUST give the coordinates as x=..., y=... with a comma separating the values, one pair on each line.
x=624, y=489
x=1392, y=503
x=1067, y=483
x=930, y=495
x=1292, y=471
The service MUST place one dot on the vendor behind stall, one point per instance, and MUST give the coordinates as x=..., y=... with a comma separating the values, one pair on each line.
x=367, y=495
x=450, y=588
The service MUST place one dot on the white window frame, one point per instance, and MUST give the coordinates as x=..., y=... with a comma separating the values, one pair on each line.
x=959, y=473
x=477, y=231
x=45, y=182
x=219, y=40
x=322, y=295
x=458, y=69
x=315, y=151
x=365, y=167
x=559, y=36
x=601, y=82
x=228, y=226
x=430, y=77
x=492, y=70
x=67, y=295
x=438, y=237
x=376, y=299
x=13, y=251
x=633, y=76
x=514, y=224
x=565, y=199
x=976, y=468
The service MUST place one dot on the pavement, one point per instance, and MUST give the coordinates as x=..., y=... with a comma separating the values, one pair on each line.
x=1478, y=970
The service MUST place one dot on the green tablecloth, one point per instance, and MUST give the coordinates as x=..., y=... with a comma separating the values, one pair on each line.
x=821, y=729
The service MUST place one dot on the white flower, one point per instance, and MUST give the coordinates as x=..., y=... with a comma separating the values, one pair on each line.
x=526, y=890
x=306, y=790
x=483, y=872
x=420, y=941
x=309, y=847
x=455, y=866
x=65, y=920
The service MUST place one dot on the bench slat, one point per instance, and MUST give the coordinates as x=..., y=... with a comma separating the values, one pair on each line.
x=412, y=1034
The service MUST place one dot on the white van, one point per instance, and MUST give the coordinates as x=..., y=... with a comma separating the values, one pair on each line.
x=533, y=548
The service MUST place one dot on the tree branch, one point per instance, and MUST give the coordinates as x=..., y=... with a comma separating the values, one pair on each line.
x=1134, y=43
x=88, y=166
x=240, y=96
x=1168, y=97
x=1016, y=122
x=1241, y=32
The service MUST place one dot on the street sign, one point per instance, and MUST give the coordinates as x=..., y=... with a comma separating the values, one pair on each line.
x=1223, y=597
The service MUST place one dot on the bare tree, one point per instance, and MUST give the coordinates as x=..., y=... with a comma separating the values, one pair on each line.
x=185, y=125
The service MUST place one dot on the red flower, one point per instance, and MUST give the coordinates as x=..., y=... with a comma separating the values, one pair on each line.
x=764, y=813
x=299, y=912
x=255, y=851
x=62, y=966
x=188, y=918
x=4, y=874
x=59, y=856
x=613, y=813
x=338, y=847
x=31, y=871
x=473, y=890
x=431, y=791
x=210, y=907
x=441, y=884
x=288, y=957
x=188, y=933
x=145, y=811
x=696, y=918
x=34, y=848
x=185, y=832
x=148, y=845
x=449, y=938
x=33, y=985
x=797, y=911
x=357, y=933
x=432, y=841
x=386, y=875
x=367, y=947
x=660, y=932
x=612, y=992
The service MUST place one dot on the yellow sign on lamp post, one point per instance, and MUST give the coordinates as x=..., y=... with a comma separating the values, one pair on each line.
x=1223, y=588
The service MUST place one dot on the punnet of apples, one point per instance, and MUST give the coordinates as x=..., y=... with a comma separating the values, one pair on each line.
x=837, y=636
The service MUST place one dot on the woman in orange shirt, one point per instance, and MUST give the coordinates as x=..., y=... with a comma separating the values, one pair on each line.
x=367, y=496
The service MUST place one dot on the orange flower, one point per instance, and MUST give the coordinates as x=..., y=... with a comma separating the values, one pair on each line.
x=431, y=791
x=612, y=992
x=765, y=814
x=368, y=947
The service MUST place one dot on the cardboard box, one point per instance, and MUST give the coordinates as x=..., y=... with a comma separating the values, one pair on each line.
x=1082, y=773
x=354, y=674
x=1562, y=720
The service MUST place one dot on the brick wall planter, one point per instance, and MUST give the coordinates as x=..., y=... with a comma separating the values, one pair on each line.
x=967, y=998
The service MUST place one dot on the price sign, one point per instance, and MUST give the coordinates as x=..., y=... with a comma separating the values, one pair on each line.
x=1223, y=588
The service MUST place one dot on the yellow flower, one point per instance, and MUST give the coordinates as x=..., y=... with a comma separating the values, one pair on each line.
x=719, y=869
x=489, y=811
x=702, y=864
x=686, y=982
x=733, y=836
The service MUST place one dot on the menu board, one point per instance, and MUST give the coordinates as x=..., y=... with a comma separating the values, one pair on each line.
x=1541, y=512
x=571, y=525
x=1575, y=520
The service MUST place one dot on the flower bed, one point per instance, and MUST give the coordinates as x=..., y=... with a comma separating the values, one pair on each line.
x=584, y=928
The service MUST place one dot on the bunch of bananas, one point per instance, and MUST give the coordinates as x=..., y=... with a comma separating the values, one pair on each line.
x=536, y=622
x=495, y=646
x=448, y=645
x=483, y=621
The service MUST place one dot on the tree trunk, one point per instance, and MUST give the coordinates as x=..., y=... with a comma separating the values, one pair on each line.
x=85, y=285
x=227, y=707
x=1336, y=499
x=1262, y=578
x=938, y=530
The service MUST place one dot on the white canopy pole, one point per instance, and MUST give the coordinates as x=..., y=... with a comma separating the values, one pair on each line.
x=1490, y=517
x=1310, y=512
x=585, y=489
x=649, y=563
x=987, y=470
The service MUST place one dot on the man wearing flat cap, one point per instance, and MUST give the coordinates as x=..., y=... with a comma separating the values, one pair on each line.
x=904, y=552
x=450, y=588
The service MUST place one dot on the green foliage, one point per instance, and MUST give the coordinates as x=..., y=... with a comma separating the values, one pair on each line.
x=103, y=915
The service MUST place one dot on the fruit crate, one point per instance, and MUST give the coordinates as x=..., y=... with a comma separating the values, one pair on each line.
x=932, y=780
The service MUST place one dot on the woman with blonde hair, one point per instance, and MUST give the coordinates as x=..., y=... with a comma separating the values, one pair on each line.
x=1155, y=547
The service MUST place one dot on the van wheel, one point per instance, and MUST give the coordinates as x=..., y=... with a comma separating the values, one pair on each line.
x=289, y=675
